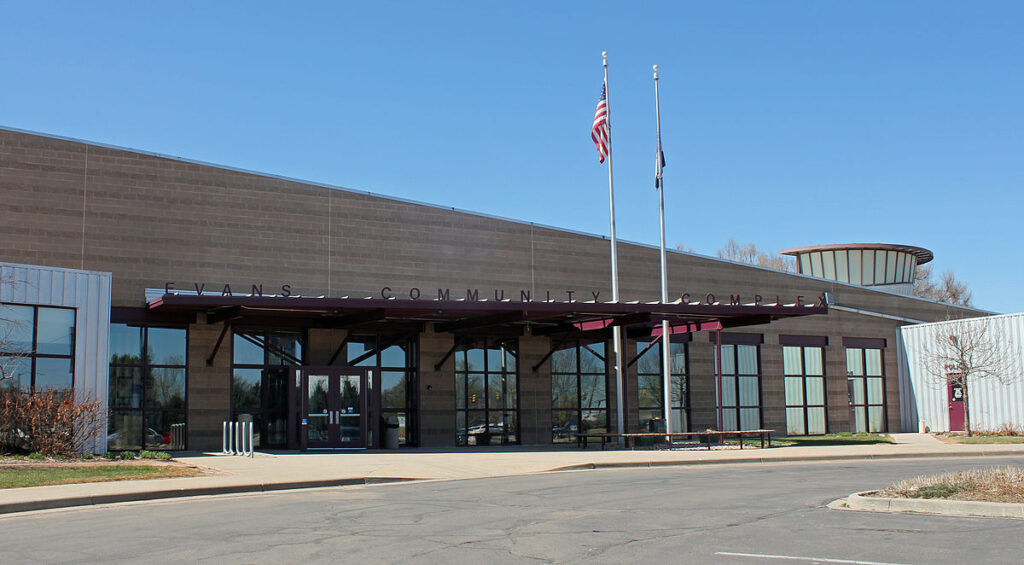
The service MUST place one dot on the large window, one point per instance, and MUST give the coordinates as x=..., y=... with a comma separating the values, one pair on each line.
x=259, y=381
x=650, y=398
x=486, y=392
x=804, y=370
x=865, y=373
x=146, y=387
x=397, y=363
x=37, y=347
x=579, y=385
x=741, y=387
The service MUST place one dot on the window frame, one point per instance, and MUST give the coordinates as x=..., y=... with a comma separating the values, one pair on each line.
x=411, y=375
x=861, y=380
x=265, y=410
x=577, y=345
x=803, y=376
x=462, y=346
x=735, y=344
x=684, y=394
x=144, y=366
x=33, y=355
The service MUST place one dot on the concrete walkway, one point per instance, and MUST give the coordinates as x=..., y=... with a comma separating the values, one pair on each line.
x=283, y=470
x=916, y=439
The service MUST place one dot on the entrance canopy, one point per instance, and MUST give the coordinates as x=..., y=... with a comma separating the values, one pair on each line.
x=506, y=317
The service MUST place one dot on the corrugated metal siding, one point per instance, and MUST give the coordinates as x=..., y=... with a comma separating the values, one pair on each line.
x=89, y=293
x=908, y=400
x=992, y=405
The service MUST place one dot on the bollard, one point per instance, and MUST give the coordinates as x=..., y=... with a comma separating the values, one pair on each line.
x=238, y=439
x=177, y=436
x=252, y=450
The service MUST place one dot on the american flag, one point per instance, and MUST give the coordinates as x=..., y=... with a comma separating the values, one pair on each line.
x=659, y=164
x=599, y=133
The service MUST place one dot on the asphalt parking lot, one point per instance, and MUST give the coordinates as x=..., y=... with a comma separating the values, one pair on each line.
x=735, y=513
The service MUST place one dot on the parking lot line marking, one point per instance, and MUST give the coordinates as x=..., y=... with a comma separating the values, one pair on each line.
x=797, y=558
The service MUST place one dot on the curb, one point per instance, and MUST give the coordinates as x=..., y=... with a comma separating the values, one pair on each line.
x=92, y=500
x=860, y=501
x=787, y=459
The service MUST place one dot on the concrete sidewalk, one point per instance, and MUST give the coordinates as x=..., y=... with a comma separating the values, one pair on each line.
x=288, y=470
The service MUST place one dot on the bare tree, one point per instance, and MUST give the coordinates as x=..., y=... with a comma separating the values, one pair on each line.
x=949, y=289
x=965, y=351
x=684, y=248
x=749, y=253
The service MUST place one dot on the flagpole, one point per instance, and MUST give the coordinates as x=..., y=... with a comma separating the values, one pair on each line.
x=616, y=330
x=666, y=337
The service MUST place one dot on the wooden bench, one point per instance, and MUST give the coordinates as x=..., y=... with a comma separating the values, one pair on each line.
x=630, y=438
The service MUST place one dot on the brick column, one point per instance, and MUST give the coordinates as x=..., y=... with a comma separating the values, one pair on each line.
x=773, y=386
x=836, y=388
x=632, y=400
x=534, y=391
x=436, y=390
x=702, y=383
x=209, y=388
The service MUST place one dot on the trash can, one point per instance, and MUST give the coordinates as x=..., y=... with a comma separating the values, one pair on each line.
x=657, y=426
x=391, y=432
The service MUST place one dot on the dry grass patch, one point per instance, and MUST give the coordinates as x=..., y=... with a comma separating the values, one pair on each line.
x=995, y=484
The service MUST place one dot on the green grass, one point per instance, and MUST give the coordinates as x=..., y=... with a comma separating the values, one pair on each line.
x=38, y=476
x=987, y=439
x=942, y=490
x=844, y=438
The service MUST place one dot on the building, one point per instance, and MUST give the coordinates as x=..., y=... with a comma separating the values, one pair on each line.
x=931, y=401
x=318, y=311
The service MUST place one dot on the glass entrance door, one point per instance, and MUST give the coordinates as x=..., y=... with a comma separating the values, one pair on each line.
x=351, y=431
x=333, y=408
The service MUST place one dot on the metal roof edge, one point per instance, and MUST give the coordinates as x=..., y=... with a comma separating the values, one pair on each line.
x=992, y=317
x=107, y=274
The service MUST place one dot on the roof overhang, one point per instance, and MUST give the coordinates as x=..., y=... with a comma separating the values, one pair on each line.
x=594, y=319
x=923, y=255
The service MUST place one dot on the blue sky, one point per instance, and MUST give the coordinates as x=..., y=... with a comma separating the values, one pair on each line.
x=784, y=123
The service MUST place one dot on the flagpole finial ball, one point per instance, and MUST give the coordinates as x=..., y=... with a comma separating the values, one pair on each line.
x=655, y=68
x=604, y=54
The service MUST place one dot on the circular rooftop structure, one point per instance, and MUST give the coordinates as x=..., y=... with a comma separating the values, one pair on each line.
x=892, y=267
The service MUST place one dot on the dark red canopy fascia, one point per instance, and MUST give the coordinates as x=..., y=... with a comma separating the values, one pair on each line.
x=463, y=315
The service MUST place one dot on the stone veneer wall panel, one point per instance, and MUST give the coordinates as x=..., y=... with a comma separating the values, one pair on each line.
x=209, y=388
x=436, y=390
x=534, y=391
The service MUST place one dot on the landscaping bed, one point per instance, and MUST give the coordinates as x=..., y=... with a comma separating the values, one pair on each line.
x=996, y=484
